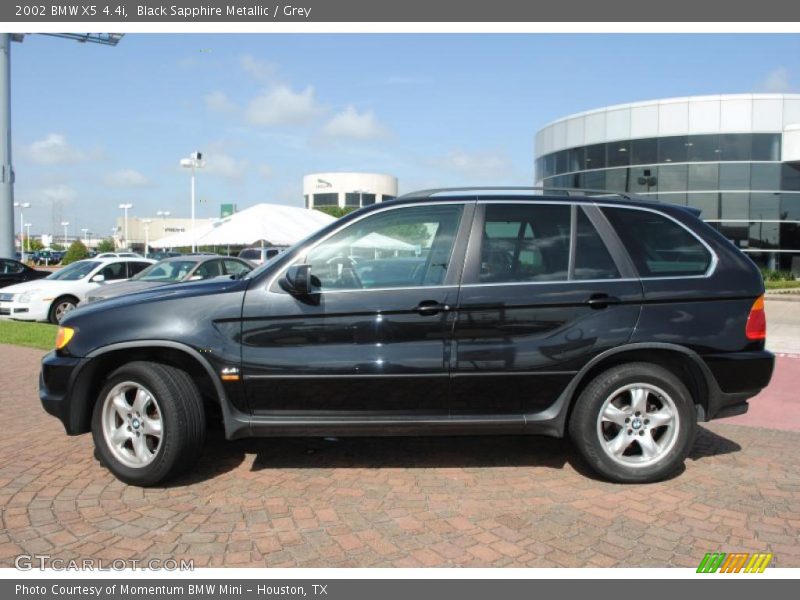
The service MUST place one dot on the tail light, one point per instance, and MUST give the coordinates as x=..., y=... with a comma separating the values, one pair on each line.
x=756, y=328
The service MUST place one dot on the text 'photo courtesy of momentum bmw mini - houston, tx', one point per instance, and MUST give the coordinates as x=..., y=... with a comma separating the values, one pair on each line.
x=617, y=321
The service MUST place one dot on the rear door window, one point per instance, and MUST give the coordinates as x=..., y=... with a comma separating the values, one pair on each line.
x=658, y=246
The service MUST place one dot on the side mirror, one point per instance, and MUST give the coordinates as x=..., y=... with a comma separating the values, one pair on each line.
x=297, y=280
x=99, y=278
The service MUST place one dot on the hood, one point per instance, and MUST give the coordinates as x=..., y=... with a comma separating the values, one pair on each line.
x=35, y=284
x=112, y=290
x=162, y=293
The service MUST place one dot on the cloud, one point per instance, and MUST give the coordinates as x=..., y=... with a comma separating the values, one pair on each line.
x=58, y=193
x=281, y=105
x=219, y=102
x=127, y=178
x=226, y=166
x=53, y=150
x=475, y=165
x=776, y=81
x=354, y=125
x=259, y=69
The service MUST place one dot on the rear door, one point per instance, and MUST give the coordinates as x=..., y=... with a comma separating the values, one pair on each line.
x=542, y=294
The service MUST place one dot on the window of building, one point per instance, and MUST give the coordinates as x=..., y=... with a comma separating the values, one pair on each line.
x=525, y=243
x=618, y=154
x=708, y=203
x=592, y=258
x=643, y=179
x=594, y=180
x=658, y=246
x=549, y=165
x=644, y=151
x=596, y=156
x=766, y=146
x=384, y=198
x=764, y=208
x=672, y=178
x=576, y=159
x=409, y=246
x=703, y=148
x=790, y=177
x=734, y=206
x=561, y=161
x=734, y=176
x=765, y=176
x=672, y=149
x=735, y=146
x=327, y=199
x=616, y=180
x=352, y=199
x=704, y=176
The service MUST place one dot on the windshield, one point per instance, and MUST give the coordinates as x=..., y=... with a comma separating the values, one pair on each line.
x=166, y=271
x=75, y=271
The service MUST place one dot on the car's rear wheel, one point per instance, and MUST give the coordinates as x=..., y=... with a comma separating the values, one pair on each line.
x=148, y=423
x=61, y=307
x=634, y=423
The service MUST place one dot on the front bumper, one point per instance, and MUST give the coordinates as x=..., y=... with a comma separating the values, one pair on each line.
x=56, y=381
x=28, y=311
x=738, y=376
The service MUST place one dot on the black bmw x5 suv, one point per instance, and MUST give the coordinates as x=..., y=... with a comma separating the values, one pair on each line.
x=618, y=321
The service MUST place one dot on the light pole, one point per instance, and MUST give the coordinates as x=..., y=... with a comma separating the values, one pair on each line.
x=146, y=234
x=126, y=207
x=22, y=206
x=85, y=235
x=65, y=224
x=27, y=237
x=194, y=162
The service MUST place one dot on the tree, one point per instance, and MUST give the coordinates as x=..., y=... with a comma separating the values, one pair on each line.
x=76, y=251
x=106, y=245
x=335, y=211
x=56, y=246
x=33, y=244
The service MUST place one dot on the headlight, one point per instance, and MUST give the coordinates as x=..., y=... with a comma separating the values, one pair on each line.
x=26, y=296
x=63, y=336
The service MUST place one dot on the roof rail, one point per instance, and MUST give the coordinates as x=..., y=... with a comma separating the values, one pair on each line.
x=560, y=191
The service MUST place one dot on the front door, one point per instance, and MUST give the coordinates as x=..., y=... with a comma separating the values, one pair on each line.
x=542, y=295
x=374, y=334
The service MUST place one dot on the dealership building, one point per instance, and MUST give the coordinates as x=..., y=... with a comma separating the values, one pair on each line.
x=736, y=158
x=348, y=190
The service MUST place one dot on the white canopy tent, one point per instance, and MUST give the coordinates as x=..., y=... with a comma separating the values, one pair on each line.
x=270, y=224
x=378, y=241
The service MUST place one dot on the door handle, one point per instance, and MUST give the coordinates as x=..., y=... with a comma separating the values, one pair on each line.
x=602, y=300
x=431, y=307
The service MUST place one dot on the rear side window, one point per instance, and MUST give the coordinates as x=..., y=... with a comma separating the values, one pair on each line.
x=658, y=246
x=136, y=267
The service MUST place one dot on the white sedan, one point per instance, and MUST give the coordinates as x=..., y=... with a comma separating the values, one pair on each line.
x=49, y=299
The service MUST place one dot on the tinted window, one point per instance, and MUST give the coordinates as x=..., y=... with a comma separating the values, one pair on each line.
x=616, y=180
x=703, y=177
x=643, y=179
x=576, y=159
x=594, y=180
x=592, y=259
x=644, y=152
x=618, y=154
x=525, y=243
x=672, y=149
x=352, y=199
x=702, y=148
x=137, y=267
x=708, y=204
x=734, y=176
x=765, y=176
x=561, y=161
x=766, y=146
x=406, y=247
x=10, y=266
x=113, y=271
x=658, y=246
x=596, y=156
x=672, y=178
x=735, y=146
x=790, y=177
x=171, y=270
x=326, y=199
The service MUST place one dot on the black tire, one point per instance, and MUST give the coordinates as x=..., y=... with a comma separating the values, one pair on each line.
x=58, y=308
x=181, y=414
x=594, y=438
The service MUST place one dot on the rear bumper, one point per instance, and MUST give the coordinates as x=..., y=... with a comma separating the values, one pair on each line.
x=737, y=376
x=55, y=382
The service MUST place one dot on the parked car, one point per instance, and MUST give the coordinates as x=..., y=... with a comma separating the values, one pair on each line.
x=617, y=321
x=162, y=255
x=47, y=257
x=258, y=256
x=51, y=298
x=13, y=271
x=174, y=270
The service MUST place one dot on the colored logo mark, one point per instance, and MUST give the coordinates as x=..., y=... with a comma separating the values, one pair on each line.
x=736, y=562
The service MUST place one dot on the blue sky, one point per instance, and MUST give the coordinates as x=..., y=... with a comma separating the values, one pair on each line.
x=95, y=126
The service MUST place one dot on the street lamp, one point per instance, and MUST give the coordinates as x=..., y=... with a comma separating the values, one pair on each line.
x=65, y=224
x=146, y=234
x=85, y=235
x=194, y=162
x=28, y=237
x=22, y=206
x=126, y=207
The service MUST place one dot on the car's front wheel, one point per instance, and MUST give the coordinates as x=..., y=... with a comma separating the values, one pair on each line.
x=634, y=423
x=148, y=423
x=60, y=308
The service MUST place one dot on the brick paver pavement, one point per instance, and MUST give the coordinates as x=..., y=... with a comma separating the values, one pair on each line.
x=490, y=501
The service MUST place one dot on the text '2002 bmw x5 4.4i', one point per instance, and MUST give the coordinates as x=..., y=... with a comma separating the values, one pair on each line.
x=621, y=322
